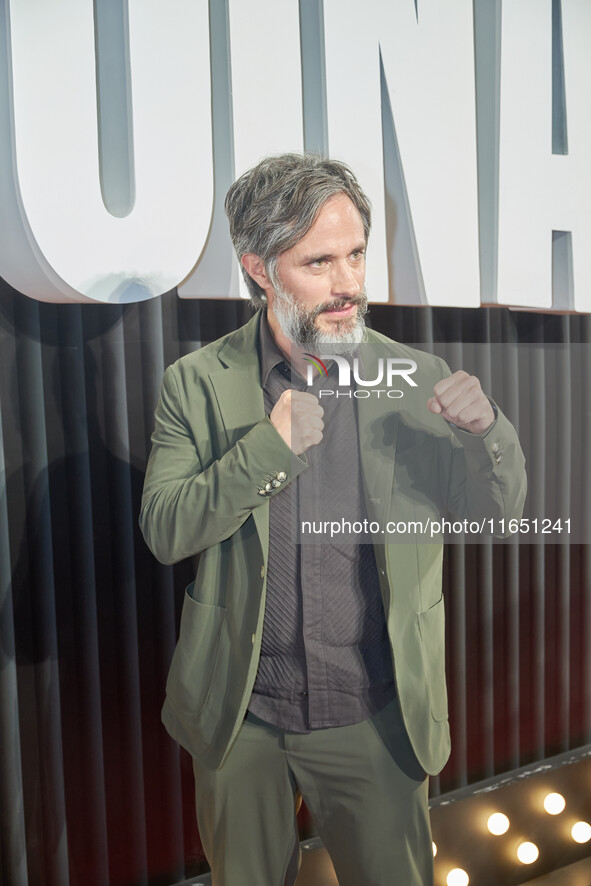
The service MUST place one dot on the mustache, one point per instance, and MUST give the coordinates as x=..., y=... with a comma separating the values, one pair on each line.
x=337, y=304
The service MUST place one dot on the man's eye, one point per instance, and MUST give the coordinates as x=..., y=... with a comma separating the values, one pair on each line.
x=318, y=262
x=357, y=255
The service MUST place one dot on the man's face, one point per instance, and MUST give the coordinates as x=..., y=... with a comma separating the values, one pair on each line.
x=321, y=295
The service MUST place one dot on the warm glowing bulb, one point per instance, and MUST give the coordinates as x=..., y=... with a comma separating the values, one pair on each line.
x=554, y=804
x=527, y=853
x=581, y=832
x=434, y=849
x=458, y=877
x=498, y=824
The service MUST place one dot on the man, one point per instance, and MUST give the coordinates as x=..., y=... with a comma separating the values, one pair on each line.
x=313, y=667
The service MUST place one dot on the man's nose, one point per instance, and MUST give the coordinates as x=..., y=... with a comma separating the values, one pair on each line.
x=345, y=281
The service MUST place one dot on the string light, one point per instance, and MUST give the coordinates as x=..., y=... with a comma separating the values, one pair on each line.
x=498, y=824
x=457, y=877
x=527, y=852
x=554, y=803
x=581, y=832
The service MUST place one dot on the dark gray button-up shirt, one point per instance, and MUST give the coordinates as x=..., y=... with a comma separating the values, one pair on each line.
x=325, y=655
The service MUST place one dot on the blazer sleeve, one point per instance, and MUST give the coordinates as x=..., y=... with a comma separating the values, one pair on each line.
x=190, y=503
x=487, y=480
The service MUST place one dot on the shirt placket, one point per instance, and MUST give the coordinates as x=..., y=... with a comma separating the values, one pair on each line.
x=310, y=490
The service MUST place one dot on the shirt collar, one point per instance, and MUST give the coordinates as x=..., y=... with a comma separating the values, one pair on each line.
x=271, y=354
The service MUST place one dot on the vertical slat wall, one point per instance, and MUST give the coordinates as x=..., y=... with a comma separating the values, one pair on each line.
x=92, y=791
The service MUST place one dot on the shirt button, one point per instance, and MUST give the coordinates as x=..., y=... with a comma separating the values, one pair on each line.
x=263, y=571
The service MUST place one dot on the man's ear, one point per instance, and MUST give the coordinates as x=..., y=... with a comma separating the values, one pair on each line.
x=255, y=268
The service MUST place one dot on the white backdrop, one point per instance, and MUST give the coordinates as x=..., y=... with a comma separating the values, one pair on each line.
x=467, y=122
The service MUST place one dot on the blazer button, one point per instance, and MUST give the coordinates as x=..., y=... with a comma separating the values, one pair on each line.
x=253, y=638
x=282, y=476
x=497, y=452
x=263, y=571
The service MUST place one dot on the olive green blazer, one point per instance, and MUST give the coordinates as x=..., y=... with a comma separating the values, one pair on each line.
x=213, y=448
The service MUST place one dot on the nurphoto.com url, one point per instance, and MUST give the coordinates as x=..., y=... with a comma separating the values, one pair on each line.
x=435, y=528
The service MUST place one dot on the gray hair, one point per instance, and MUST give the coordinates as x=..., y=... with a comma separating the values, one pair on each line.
x=273, y=206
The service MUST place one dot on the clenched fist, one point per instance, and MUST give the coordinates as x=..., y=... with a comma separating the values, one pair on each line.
x=460, y=400
x=297, y=416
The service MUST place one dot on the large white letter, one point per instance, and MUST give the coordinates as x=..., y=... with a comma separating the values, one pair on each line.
x=267, y=116
x=63, y=242
x=541, y=192
x=427, y=51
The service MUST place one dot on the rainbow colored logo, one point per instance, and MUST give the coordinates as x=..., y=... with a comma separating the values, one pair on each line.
x=316, y=362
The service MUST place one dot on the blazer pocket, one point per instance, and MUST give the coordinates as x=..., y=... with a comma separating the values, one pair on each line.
x=432, y=632
x=195, y=657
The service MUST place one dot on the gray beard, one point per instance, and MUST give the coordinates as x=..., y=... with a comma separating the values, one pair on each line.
x=298, y=323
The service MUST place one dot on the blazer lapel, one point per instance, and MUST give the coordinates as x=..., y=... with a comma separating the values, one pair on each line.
x=378, y=432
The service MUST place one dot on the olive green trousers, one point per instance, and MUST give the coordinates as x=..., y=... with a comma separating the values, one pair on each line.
x=363, y=787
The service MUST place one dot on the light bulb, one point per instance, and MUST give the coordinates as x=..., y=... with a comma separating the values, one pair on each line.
x=527, y=853
x=434, y=849
x=554, y=804
x=498, y=824
x=457, y=877
x=581, y=832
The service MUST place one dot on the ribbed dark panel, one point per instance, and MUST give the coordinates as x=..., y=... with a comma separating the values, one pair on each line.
x=507, y=726
x=536, y=423
x=92, y=790
x=581, y=727
x=13, y=858
x=507, y=614
x=36, y=618
x=158, y=626
x=79, y=634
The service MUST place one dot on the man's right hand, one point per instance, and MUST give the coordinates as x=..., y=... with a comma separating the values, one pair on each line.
x=297, y=416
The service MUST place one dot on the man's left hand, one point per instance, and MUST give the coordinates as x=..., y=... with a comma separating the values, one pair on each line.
x=460, y=400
